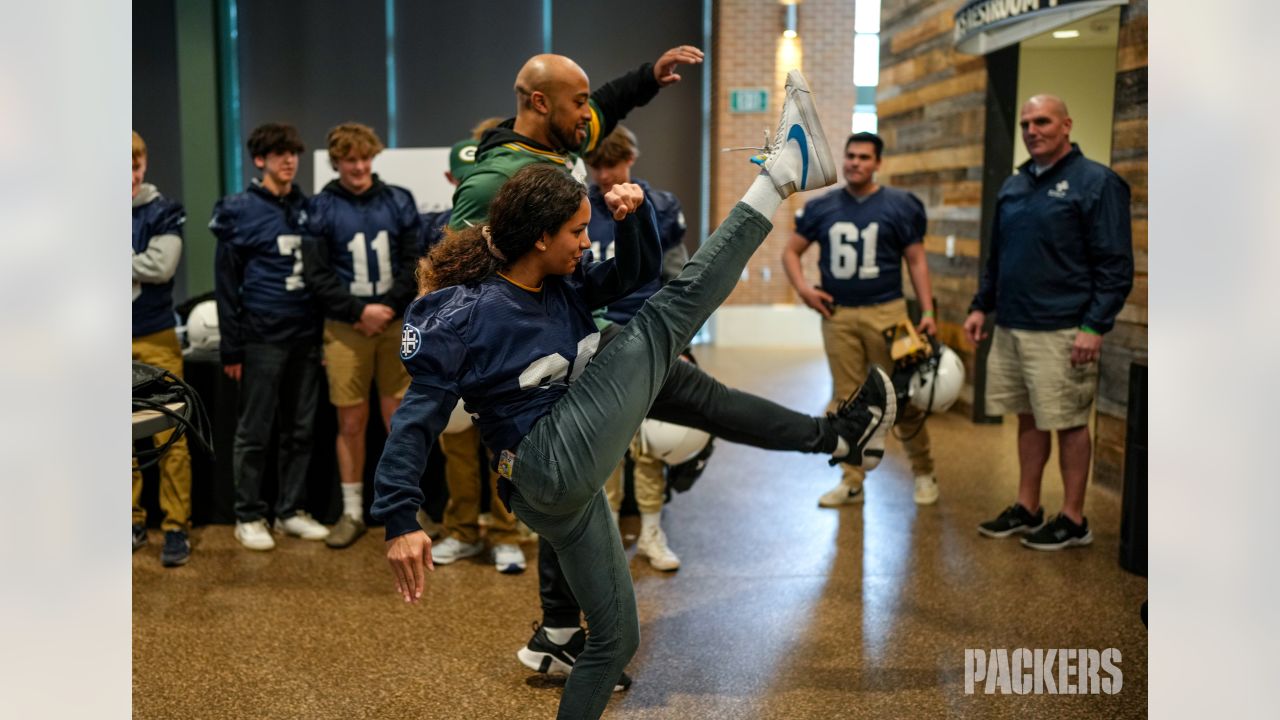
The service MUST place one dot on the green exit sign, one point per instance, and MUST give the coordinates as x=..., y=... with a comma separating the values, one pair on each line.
x=748, y=100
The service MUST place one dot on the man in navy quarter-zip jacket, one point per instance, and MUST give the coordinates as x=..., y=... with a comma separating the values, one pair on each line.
x=1058, y=272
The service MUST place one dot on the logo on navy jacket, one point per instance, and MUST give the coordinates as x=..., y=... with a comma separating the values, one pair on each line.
x=1060, y=190
x=410, y=341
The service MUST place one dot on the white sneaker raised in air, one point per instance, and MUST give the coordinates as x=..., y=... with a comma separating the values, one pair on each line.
x=799, y=157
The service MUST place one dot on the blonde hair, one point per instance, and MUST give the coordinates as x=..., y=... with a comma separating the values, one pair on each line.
x=139, y=147
x=352, y=137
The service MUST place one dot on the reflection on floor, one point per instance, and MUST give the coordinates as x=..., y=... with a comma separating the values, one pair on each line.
x=780, y=610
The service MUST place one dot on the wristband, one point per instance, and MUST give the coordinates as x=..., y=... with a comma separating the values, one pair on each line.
x=1089, y=330
x=927, y=313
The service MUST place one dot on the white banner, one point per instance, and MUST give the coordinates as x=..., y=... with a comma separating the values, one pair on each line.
x=418, y=170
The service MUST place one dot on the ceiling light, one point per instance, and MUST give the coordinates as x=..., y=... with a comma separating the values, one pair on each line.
x=1066, y=34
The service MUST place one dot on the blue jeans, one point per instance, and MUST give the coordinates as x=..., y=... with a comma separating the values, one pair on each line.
x=562, y=464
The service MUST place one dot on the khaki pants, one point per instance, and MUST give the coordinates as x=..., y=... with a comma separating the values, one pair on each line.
x=161, y=350
x=462, y=476
x=649, y=480
x=852, y=339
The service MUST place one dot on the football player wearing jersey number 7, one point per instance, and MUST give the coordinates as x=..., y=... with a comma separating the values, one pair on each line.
x=507, y=326
x=864, y=230
x=270, y=335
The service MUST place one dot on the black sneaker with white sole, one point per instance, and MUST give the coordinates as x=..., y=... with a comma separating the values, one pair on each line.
x=1013, y=520
x=1061, y=532
x=542, y=655
x=864, y=420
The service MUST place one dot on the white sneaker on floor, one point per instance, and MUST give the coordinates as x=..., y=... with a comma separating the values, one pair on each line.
x=508, y=559
x=451, y=549
x=926, y=490
x=303, y=526
x=841, y=495
x=653, y=544
x=809, y=165
x=255, y=535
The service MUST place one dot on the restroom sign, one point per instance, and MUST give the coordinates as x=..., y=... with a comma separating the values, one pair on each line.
x=748, y=100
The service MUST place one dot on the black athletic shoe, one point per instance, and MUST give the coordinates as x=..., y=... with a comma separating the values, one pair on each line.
x=542, y=655
x=139, y=537
x=1061, y=532
x=864, y=420
x=177, y=549
x=1015, y=519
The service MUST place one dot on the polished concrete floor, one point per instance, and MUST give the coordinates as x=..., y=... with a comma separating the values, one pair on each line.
x=780, y=610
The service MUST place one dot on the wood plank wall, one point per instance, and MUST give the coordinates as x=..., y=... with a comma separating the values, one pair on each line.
x=932, y=113
x=1128, y=342
x=931, y=106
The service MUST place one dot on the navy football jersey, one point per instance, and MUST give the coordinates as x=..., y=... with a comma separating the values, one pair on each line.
x=361, y=249
x=671, y=227
x=153, y=301
x=509, y=352
x=258, y=283
x=862, y=242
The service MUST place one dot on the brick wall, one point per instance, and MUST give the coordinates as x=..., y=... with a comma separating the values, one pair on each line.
x=750, y=52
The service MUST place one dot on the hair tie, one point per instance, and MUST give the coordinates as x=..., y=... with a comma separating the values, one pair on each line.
x=488, y=240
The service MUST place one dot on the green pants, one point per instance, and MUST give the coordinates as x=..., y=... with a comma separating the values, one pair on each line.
x=562, y=464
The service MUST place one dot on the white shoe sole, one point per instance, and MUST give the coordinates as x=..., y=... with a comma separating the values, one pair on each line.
x=548, y=664
x=873, y=451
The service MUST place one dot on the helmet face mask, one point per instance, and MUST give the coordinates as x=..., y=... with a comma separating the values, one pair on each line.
x=934, y=383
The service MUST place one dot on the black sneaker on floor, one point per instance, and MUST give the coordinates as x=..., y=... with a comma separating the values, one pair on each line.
x=139, y=536
x=1015, y=519
x=1061, y=532
x=177, y=549
x=864, y=420
x=542, y=655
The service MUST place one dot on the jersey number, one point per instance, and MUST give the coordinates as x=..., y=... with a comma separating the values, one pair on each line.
x=292, y=245
x=553, y=368
x=844, y=251
x=360, y=286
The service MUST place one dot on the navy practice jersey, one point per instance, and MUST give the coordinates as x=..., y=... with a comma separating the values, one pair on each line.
x=361, y=249
x=510, y=353
x=153, y=303
x=862, y=242
x=433, y=227
x=671, y=229
x=259, y=286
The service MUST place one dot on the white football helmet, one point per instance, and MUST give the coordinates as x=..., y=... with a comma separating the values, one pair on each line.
x=670, y=443
x=202, y=330
x=934, y=385
x=459, y=419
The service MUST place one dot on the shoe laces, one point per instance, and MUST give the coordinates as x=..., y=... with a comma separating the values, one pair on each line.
x=854, y=407
x=764, y=151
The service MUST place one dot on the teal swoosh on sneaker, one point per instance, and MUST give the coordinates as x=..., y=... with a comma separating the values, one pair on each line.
x=797, y=133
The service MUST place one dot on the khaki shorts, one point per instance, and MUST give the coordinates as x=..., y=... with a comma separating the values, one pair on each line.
x=353, y=361
x=1030, y=372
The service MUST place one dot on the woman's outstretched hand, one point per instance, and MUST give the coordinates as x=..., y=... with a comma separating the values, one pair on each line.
x=623, y=199
x=409, y=555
